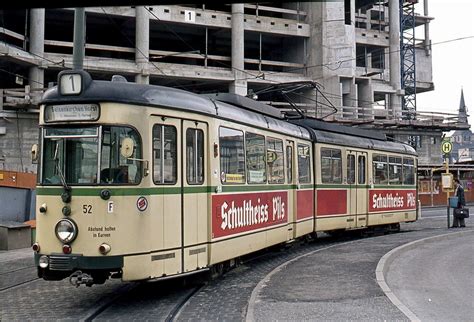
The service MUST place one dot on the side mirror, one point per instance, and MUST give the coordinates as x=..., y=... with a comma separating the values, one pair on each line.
x=34, y=153
x=127, y=147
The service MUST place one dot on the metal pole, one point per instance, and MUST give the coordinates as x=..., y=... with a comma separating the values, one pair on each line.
x=448, y=216
x=447, y=192
x=207, y=47
x=79, y=38
x=431, y=188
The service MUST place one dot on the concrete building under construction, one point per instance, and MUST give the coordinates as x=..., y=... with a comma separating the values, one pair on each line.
x=350, y=61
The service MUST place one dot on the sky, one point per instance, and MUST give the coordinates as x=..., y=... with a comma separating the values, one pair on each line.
x=453, y=62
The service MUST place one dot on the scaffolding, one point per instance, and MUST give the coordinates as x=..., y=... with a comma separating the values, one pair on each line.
x=407, y=57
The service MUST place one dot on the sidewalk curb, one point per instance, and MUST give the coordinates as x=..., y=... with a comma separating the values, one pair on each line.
x=384, y=265
x=250, y=315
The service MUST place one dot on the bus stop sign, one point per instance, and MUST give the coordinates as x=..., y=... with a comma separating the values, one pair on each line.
x=446, y=147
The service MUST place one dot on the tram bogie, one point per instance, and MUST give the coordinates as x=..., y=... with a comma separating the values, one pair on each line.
x=144, y=182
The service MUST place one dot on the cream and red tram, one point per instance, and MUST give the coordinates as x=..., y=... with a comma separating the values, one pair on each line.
x=146, y=182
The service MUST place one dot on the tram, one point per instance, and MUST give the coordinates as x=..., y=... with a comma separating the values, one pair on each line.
x=143, y=182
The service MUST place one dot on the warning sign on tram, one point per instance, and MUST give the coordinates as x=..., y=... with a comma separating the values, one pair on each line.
x=446, y=147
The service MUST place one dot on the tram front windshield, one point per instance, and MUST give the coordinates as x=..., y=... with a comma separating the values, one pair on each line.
x=89, y=155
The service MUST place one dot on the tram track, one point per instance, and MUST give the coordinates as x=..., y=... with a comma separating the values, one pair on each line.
x=16, y=270
x=181, y=304
x=14, y=277
x=107, y=302
x=157, y=300
x=6, y=288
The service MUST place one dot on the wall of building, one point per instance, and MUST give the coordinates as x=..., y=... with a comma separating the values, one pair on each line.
x=283, y=42
x=430, y=149
x=435, y=196
x=17, y=204
x=424, y=70
x=19, y=131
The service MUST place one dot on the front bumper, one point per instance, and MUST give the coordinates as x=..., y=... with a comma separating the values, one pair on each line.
x=72, y=262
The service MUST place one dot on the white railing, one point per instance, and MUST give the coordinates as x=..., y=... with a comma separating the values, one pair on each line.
x=18, y=98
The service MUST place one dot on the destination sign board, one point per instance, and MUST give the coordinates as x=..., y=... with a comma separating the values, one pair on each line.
x=71, y=112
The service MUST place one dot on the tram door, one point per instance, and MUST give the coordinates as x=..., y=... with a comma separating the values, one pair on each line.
x=290, y=179
x=194, y=192
x=357, y=192
x=166, y=202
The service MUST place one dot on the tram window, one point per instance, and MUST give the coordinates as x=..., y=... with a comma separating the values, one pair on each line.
x=289, y=164
x=304, y=164
x=71, y=160
x=164, y=154
x=395, y=170
x=194, y=156
x=361, y=165
x=351, y=169
x=331, y=165
x=380, y=169
x=408, y=171
x=276, y=173
x=255, y=151
x=232, y=158
x=115, y=168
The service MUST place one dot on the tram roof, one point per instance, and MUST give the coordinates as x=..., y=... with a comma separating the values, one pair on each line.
x=324, y=132
x=220, y=106
x=226, y=106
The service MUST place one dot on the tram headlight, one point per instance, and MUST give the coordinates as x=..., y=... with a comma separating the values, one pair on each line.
x=43, y=261
x=66, y=230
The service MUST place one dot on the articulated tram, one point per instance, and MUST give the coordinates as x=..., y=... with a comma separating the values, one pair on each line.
x=144, y=182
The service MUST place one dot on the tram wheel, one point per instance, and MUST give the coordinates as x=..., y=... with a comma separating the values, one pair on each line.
x=217, y=270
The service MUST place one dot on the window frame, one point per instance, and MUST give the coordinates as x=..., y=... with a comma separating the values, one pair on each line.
x=412, y=172
x=197, y=153
x=333, y=168
x=289, y=163
x=138, y=157
x=364, y=163
x=280, y=154
x=351, y=169
x=162, y=148
x=392, y=161
x=309, y=163
x=221, y=158
x=374, y=172
x=261, y=158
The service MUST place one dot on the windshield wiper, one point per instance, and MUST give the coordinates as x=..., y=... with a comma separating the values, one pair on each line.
x=58, y=168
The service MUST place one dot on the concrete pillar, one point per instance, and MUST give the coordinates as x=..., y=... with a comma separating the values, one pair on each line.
x=354, y=99
x=79, y=46
x=365, y=96
x=368, y=61
x=142, y=44
x=395, y=75
x=315, y=56
x=369, y=21
x=427, y=29
x=239, y=85
x=37, y=21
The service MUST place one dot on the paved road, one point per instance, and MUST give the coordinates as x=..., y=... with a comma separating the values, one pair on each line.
x=433, y=212
x=435, y=278
x=338, y=283
x=346, y=292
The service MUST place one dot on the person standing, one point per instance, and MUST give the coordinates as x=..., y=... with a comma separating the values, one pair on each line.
x=459, y=192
